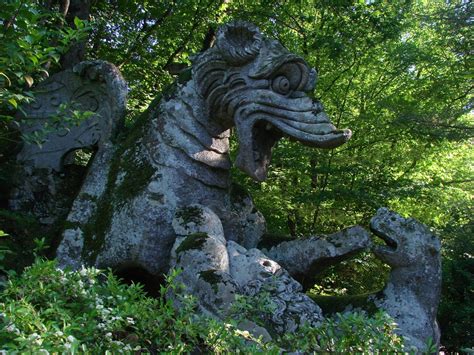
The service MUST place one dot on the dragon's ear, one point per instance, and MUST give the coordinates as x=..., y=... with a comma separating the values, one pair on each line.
x=239, y=42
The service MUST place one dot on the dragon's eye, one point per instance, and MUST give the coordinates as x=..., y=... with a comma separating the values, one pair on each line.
x=281, y=85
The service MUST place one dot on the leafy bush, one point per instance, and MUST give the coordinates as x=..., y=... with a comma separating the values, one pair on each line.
x=47, y=309
x=456, y=311
x=50, y=310
x=349, y=333
x=342, y=333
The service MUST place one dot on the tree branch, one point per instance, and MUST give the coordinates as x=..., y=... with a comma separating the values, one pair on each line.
x=139, y=41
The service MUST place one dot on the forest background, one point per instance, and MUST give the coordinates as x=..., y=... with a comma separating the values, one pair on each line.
x=397, y=73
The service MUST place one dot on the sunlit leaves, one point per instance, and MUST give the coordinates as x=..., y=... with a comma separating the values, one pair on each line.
x=32, y=42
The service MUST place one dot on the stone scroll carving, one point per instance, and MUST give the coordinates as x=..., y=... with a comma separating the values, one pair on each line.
x=94, y=87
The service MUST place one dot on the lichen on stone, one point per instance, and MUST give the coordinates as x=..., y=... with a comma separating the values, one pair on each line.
x=136, y=178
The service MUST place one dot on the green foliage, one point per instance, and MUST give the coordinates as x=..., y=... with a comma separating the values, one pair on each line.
x=47, y=309
x=456, y=313
x=32, y=42
x=396, y=73
x=4, y=251
x=258, y=308
x=86, y=310
x=349, y=333
x=21, y=230
x=340, y=333
x=145, y=38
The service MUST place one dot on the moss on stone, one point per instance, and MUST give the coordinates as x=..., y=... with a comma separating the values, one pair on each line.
x=87, y=197
x=70, y=225
x=211, y=277
x=136, y=178
x=94, y=231
x=190, y=215
x=334, y=241
x=137, y=175
x=192, y=241
x=335, y=304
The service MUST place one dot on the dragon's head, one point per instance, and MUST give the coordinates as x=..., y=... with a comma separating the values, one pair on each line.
x=258, y=86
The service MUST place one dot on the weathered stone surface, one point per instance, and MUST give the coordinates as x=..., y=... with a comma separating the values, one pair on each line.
x=200, y=252
x=255, y=273
x=96, y=87
x=412, y=293
x=243, y=224
x=178, y=153
x=162, y=197
x=311, y=255
x=215, y=271
x=84, y=208
x=254, y=83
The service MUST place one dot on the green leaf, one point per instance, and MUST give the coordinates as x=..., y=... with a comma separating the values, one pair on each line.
x=6, y=77
x=78, y=23
x=13, y=102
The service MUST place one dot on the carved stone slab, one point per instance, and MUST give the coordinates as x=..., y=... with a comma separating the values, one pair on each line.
x=95, y=87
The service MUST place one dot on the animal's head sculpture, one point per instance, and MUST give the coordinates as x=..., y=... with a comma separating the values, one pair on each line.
x=258, y=86
x=408, y=242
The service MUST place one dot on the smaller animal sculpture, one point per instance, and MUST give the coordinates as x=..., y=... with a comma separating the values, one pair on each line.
x=412, y=293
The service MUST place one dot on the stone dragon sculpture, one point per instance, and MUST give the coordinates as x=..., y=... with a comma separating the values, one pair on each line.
x=162, y=197
x=180, y=155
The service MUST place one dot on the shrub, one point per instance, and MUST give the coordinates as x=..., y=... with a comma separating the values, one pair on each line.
x=47, y=309
x=54, y=311
x=349, y=333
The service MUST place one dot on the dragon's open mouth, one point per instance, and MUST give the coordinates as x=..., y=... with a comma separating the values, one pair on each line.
x=390, y=243
x=264, y=137
x=257, y=137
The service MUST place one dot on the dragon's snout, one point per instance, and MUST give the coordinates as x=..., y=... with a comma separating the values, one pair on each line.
x=269, y=117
